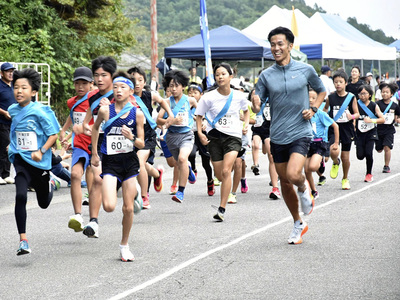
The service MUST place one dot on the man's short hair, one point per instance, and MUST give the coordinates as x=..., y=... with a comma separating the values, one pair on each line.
x=282, y=30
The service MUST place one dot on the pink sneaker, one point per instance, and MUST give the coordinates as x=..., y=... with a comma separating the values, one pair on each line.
x=275, y=194
x=244, y=187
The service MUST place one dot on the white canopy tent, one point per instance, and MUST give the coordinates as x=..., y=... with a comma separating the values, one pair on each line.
x=323, y=36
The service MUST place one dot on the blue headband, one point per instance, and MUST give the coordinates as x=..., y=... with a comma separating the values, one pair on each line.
x=124, y=80
x=197, y=87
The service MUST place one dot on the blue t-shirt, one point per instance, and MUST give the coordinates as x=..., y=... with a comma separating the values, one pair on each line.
x=320, y=123
x=184, y=111
x=287, y=89
x=6, y=99
x=31, y=132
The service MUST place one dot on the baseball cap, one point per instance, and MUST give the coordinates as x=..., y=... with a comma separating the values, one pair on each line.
x=7, y=66
x=369, y=74
x=325, y=69
x=83, y=73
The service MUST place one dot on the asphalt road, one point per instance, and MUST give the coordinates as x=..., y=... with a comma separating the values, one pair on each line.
x=351, y=250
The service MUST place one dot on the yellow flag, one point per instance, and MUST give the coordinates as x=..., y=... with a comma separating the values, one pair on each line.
x=295, y=30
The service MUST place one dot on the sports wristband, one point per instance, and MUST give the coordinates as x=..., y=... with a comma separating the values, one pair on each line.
x=373, y=121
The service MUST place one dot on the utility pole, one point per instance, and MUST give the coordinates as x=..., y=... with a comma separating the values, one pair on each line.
x=154, y=39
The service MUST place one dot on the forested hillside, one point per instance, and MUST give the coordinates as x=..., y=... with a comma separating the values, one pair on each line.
x=179, y=19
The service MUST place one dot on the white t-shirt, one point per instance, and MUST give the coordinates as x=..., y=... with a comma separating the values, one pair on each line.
x=328, y=84
x=211, y=104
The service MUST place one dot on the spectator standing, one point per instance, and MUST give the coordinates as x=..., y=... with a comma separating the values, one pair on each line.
x=6, y=99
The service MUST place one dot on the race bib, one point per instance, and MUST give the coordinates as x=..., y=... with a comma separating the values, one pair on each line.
x=225, y=122
x=101, y=124
x=185, y=118
x=79, y=117
x=259, y=121
x=117, y=144
x=267, y=113
x=343, y=117
x=364, y=127
x=389, y=118
x=26, y=141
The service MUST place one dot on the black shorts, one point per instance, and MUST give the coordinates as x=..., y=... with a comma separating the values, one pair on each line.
x=203, y=151
x=37, y=178
x=384, y=140
x=346, y=135
x=219, y=146
x=319, y=147
x=262, y=132
x=123, y=166
x=281, y=153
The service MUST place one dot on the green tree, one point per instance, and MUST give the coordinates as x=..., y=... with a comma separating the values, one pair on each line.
x=64, y=34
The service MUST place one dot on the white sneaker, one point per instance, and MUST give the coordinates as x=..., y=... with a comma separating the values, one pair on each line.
x=232, y=198
x=306, y=200
x=126, y=254
x=91, y=230
x=2, y=181
x=298, y=231
x=9, y=180
x=76, y=222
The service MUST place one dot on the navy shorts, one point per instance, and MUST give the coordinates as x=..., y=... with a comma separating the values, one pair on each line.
x=319, y=147
x=384, y=140
x=281, y=153
x=123, y=166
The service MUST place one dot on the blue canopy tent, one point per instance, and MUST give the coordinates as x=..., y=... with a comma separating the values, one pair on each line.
x=227, y=43
x=396, y=44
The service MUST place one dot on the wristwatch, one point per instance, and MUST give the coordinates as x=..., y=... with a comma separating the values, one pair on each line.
x=314, y=109
x=133, y=139
x=43, y=150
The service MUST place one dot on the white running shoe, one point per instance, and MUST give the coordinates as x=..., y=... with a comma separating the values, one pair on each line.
x=126, y=254
x=9, y=180
x=91, y=230
x=76, y=222
x=306, y=200
x=298, y=231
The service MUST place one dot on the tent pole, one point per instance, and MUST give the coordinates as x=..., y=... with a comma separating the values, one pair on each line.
x=379, y=67
x=343, y=65
x=262, y=63
x=362, y=67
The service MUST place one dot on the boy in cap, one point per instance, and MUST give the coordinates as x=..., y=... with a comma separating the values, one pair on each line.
x=78, y=105
x=6, y=99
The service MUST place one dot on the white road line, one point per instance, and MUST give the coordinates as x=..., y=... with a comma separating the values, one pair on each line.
x=238, y=240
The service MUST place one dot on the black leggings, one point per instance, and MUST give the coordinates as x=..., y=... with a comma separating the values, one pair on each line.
x=205, y=161
x=37, y=180
x=365, y=150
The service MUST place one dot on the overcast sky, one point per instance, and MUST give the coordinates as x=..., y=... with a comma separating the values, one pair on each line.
x=378, y=14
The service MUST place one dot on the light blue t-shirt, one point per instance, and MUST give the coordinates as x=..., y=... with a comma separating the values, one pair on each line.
x=287, y=90
x=320, y=123
x=31, y=132
x=184, y=111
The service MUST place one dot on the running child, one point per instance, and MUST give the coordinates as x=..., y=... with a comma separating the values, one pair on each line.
x=180, y=137
x=103, y=67
x=260, y=132
x=386, y=130
x=319, y=146
x=123, y=130
x=343, y=109
x=366, y=128
x=34, y=130
x=145, y=100
x=196, y=91
x=79, y=105
x=221, y=108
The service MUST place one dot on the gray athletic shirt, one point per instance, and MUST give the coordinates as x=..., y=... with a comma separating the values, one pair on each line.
x=287, y=90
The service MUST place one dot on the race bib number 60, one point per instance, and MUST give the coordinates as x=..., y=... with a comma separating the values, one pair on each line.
x=117, y=144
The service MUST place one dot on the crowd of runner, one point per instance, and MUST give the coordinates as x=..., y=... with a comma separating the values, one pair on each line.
x=116, y=122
